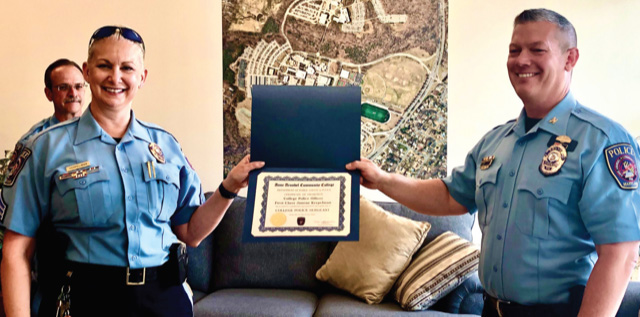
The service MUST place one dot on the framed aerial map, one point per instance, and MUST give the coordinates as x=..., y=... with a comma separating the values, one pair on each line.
x=395, y=51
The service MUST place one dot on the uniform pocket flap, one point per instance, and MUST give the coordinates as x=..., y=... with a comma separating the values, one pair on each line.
x=488, y=176
x=558, y=189
x=64, y=185
x=167, y=173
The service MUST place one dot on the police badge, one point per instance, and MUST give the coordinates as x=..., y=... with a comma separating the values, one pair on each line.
x=555, y=156
x=622, y=165
x=156, y=151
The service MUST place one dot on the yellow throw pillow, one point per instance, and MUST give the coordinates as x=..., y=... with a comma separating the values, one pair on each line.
x=436, y=270
x=368, y=268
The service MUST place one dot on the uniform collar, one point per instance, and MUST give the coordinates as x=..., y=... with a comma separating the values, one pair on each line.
x=53, y=120
x=88, y=128
x=555, y=122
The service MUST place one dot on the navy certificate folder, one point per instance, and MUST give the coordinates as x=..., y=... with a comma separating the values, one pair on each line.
x=305, y=130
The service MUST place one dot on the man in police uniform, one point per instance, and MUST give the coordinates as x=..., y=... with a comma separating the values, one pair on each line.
x=556, y=190
x=64, y=87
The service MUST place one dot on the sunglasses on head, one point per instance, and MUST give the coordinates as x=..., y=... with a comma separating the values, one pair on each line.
x=125, y=32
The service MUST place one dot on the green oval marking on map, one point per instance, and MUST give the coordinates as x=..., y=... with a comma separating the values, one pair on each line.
x=374, y=113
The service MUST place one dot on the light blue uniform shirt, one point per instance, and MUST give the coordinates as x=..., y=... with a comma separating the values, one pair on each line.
x=122, y=213
x=539, y=233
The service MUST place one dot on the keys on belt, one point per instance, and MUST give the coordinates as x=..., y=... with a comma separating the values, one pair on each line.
x=497, y=303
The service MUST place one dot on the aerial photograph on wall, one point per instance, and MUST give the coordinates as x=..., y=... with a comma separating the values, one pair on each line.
x=396, y=51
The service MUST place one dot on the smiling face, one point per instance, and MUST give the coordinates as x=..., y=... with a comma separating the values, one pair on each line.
x=115, y=71
x=540, y=65
x=66, y=92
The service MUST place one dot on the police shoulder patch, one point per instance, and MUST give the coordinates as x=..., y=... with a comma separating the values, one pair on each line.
x=622, y=164
x=3, y=208
x=16, y=165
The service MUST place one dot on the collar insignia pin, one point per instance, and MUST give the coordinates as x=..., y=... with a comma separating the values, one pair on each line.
x=156, y=151
x=553, y=120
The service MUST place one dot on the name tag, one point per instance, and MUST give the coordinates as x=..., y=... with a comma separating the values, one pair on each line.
x=79, y=173
x=77, y=166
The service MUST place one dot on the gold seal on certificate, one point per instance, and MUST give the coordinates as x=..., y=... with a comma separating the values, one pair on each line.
x=302, y=205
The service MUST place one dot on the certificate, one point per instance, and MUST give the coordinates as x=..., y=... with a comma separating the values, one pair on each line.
x=305, y=136
x=288, y=204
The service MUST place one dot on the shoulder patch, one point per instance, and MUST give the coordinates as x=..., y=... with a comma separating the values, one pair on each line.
x=3, y=208
x=621, y=161
x=16, y=165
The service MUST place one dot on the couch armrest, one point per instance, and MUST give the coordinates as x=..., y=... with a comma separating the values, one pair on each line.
x=467, y=298
x=631, y=300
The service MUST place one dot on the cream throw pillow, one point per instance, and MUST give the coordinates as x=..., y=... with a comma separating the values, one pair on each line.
x=436, y=270
x=368, y=268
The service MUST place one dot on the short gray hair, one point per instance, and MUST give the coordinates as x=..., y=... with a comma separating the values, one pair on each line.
x=537, y=15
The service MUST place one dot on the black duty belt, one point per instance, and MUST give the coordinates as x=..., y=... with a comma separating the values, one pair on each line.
x=507, y=308
x=117, y=274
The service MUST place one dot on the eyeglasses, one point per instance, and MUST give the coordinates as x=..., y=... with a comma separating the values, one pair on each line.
x=107, y=31
x=67, y=87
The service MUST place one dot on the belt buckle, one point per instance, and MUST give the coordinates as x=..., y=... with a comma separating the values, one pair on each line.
x=498, y=301
x=129, y=282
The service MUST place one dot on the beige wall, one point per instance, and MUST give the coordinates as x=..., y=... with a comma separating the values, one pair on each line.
x=183, y=40
x=182, y=92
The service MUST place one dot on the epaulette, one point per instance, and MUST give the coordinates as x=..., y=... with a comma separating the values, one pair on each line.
x=597, y=120
x=54, y=127
x=502, y=125
x=154, y=126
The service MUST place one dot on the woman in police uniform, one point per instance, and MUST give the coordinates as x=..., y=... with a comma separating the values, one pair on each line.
x=119, y=191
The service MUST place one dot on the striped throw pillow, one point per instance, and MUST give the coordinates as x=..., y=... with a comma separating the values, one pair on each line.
x=438, y=268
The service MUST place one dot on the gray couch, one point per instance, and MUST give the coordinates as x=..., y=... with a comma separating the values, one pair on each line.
x=232, y=278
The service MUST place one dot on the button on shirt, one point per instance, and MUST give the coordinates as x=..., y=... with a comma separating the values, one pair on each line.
x=539, y=232
x=121, y=212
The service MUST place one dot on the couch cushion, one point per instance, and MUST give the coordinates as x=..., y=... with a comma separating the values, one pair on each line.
x=237, y=264
x=467, y=298
x=256, y=302
x=436, y=270
x=339, y=305
x=369, y=267
x=460, y=225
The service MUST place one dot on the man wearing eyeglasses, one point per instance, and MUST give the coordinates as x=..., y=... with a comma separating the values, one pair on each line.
x=64, y=86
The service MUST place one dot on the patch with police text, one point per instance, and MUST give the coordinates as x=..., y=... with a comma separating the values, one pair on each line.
x=16, y=165
x=3, y=207
x=621, y=160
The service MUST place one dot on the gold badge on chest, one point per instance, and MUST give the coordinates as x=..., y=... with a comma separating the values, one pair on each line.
x=486, y=162
x=555, y=156
x=156, y=151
